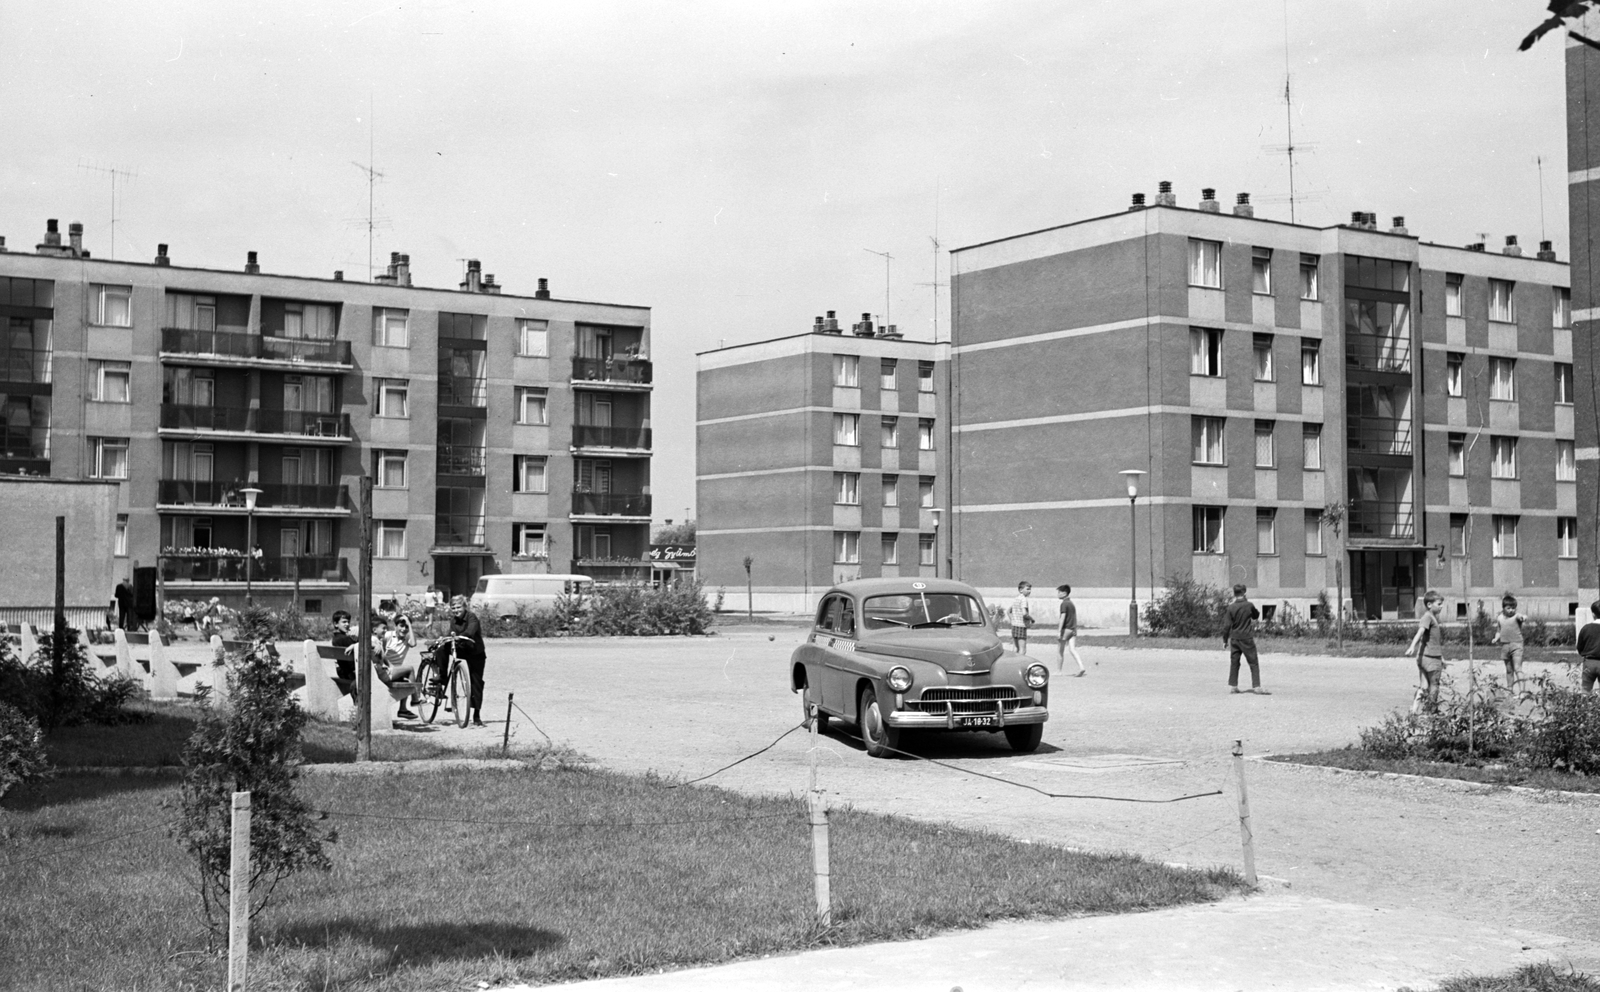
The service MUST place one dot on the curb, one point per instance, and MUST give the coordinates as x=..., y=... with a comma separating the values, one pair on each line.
x=343, y=768
x=1450, y=784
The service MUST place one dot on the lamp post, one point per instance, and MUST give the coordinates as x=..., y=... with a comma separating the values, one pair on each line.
x=1132, y=475
x=249, y=493
x=937, y=511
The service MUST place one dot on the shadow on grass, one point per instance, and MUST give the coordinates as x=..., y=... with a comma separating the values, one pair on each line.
x=68, y=788
x=422, y=943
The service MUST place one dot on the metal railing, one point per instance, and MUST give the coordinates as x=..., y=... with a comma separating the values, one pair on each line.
x=459, y=459
x=1378, y=435
x=1380, y=520
x=587, y=436
x=458, y=530
x=25, y=443
x=613, y=568
x=254, y=420
x=206, y=568
x=457, y=391
x=611, y=504
x=611, y=369
x=192, y=492
x=1379, y=353
x=235, y=344
x=25, y=365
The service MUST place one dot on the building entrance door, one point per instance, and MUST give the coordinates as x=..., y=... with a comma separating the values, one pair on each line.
x=1383, y=583
x=457, y=575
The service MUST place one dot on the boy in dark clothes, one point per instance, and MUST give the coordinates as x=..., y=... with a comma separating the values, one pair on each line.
x=1239, y=637
x=1589, y=648
x=345, y=667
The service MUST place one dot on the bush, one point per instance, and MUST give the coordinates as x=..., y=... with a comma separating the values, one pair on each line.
x=1187, y=609
x=1287, y=622
x=631, y=610
x=72, y=695
x=1562, y=731
x=287, y=624
x=1325, y=618
x=22, y=754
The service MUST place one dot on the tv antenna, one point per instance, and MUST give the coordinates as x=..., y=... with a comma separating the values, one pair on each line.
x=1288, y=115
x=936, y=284
x=887, y=258
x=1539, y=161
x=373, y=175
x=115, y=174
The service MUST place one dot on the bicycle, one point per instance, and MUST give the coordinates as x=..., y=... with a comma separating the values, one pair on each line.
x=454, y=685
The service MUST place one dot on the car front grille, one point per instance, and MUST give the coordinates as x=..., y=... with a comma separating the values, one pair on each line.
x=964, y=701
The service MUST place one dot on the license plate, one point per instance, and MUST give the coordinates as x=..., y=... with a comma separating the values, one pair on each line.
x=974, y=721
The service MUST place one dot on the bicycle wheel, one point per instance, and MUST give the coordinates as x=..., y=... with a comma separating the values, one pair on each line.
x=433, y=690
x=461, y=692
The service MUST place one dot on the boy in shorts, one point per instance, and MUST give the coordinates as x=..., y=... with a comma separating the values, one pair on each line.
x=1020, y=618
x=1508, y=634
x=1067, y=635
x=1425, y=646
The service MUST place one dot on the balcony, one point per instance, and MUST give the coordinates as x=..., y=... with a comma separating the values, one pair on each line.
x=586, y=504
x=219, y=569
x=458, y=391
x=1380, y=521
x=1378, y=435
x=626, y=438
x=237, y=348
x=459, y=459
x=611, y=569
x=275, y=496
x=25, y=450
x=1378, y=353
x=619, y=372
x=303, y=426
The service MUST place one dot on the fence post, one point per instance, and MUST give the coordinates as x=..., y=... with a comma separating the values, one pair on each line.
x=239, y=893
x=1245, y=835
x=505, y=742
x=819, y=834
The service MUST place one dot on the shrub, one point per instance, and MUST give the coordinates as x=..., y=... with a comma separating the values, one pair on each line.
x=64, y=697
x=1187, y=609
x=22, y=754
x=253, y=747
x=286, y=624
x=631, y=610
x=1562, y=729
x=1325, y=617
x=1287, y=622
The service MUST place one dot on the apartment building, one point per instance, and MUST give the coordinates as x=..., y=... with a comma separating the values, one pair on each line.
x=818, y=460
x=502, y=433
x=1256, y=373
x=1583, y=213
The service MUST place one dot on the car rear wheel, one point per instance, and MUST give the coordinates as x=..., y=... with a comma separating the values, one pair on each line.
x=1025, y=738
x=881, y=739
x=807, y=701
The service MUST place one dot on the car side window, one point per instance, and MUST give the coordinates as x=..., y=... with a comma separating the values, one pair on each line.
x=826, y=612
x=847, y=617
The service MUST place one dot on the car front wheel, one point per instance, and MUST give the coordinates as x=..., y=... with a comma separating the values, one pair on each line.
x=1025, y=738
x=881, y=739
x=807, y=701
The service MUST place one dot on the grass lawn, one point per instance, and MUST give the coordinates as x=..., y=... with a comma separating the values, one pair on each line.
x=1528, y=978
x=1322, y=647
x=1354, y=758
x=587, y=874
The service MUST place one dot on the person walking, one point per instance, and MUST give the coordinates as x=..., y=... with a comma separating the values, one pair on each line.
x=1239, y=637
x=1508, y=634
x=1425, y=646
x=1589, y=647
x=124, y=597
x=467, y=634
x=1020, y=617
x=1067, y=633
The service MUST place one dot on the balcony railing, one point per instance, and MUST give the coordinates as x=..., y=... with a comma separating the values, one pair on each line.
x=305, y=423
x=455, y=530
x=635, y=370
x=611, y=504
x=457, y=391
x=26, y=443
x=1377, y=353
x=25, y=365
x=611, y=569
x=274, y=495
x=234, y=344
x=1380, y=520
x=459, y=459
x=1378, y=435
x=586, y=436
x=207, y=568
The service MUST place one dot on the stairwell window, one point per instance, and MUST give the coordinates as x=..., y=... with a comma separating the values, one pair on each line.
x=925, y=435
x=391, y=539
x=889, y=545
x=1458, y=535
x=1266, y=450
x=1313, y=532
x=891, y=490
x=1563, y=383
x=1452, y=294
x=394, y=398
x=533, y=338
x=1205, y=351
x=925, y=491
x=112, y=305
x=120, y=547
x=528, y=474
x=1261, y=344
x=1308, y=276
x=531, y=405
x=1311, y=363
x=1266, y=531
x=1566, y=537
x=390, y=327
x=847, y=488
x=1566, y=462
x=111, y=382
x=1311, y=444
x=926, y=549
x=1205, y=263
x=391, y=469
x=924, y=377
x=1456, y=446
x=889, y=433
x=528, y=541
x=888, y=374
x=1502, y=306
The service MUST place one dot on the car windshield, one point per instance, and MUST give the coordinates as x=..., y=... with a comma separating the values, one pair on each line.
x=921, y=609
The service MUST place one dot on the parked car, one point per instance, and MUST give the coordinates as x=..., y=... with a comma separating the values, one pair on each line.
x=890, y=655
x=504, y=595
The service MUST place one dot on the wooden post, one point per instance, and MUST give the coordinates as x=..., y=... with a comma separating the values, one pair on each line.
x=364, y=643
x=505, y=741
x=819, y=834
x=1245, y=835
x=239, y=893
x=59, y=645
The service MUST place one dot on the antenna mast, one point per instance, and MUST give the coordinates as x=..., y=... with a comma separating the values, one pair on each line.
x=1539, y=161
x=1288, y=107
x=373, y=175
x=886, y=259
x=115, y=174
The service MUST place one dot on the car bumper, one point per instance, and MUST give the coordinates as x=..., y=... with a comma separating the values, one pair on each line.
x=950, y=720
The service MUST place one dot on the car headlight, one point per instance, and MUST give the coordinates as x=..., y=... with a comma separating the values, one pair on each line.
x=899, y=678
x=1037, y=676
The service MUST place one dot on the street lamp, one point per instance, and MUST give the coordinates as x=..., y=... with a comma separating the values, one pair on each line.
x=1132, y=475
x=249, y=493
x=936, y=512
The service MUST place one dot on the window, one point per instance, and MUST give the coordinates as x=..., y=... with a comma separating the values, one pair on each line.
x=391, y=469
x=390, y=539
x=1560, y=306
x=531, y=405
x=1564, y=383
x=1311, y=443
x=111, y=382
x=394, y=397
x=924, y=377
x=113, y=305
x=1266, y=531
x=1205, y=263
x=887, y=374
x=533, y=338
x=528, y=474
x=891, y=490
x=1266, y=456
x=1458, y=535
x=1208, y=530
x=109, y=457
x=528, y=541
x=1452, y=294
x=1501, y=305
x=891, y=549
x=1308, y=276
x=1313, y=532
x=1453, y=361
x=847, y=488
x=389, y=327
x=1502, y=378
x=1566, y=462
x=925, y=491
x=1262, y=344
x=1503, y=457
x=1505, y=535
x=1311, y=363
x=925, y=549
x=1566, y=537
x=890, y=435
x=846, y=547
x=120, y=548
x=1261, y=271
x=925, y=435
x=1205, y=351
x=846, y=370
x=1207, y=434
x=1456, y=444
x=845, y=429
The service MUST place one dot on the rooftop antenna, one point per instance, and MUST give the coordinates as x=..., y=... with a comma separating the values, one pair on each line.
x=115, y=174
x=936, y=246
x=1288, y=114
x=1539, y=161
x=373, y=175
x=886, y=259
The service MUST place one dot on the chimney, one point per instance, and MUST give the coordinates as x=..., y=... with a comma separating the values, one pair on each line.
x=543, y=292
x=1357, y=218
x=1511, y=248
x=391, y=275
x=830, y=323
x=2, y=242
x=161, y=255
x=1164, y=197
x=250, y=263
x=890, y=331
x=1242, y=207
x=1475, y=246
x=863, y=329
x=1208, y=201
x=75, y=237
x=1547, y=252
x=473, y=283
x=1399, y=226
x=489, y=285
x=51, y=245
x=1138, y=202
x=402, y=269
x=816, y=325
x=338, y=275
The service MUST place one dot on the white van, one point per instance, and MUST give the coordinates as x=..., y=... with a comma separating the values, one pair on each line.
x=503, y=595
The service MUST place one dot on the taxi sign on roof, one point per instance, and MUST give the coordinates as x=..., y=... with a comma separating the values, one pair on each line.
x=919, y=585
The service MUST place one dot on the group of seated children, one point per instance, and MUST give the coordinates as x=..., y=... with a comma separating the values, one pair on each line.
x=392, y=642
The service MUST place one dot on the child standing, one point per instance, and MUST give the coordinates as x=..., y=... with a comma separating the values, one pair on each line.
x=1429, y=652
x=1020, y=617
x=1508, y=634
x=1589, y=647
x=1067, y=635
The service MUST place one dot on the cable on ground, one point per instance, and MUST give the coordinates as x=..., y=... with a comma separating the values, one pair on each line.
x=86, y=847
x=524, y=712
x=540, y=823
x=719, y=771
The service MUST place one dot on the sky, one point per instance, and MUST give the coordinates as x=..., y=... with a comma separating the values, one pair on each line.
x=738, y=166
